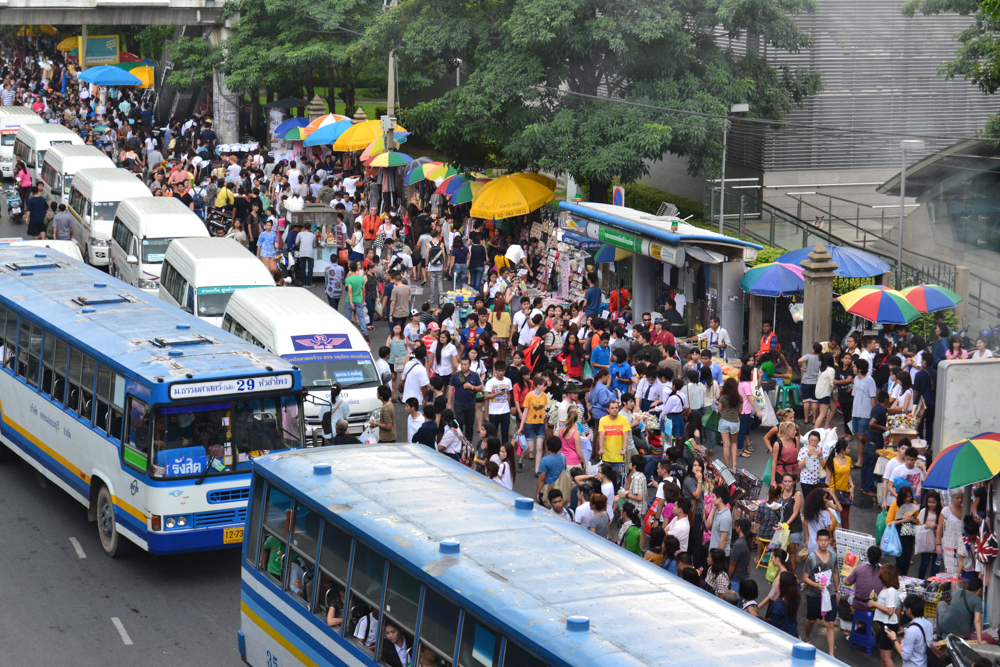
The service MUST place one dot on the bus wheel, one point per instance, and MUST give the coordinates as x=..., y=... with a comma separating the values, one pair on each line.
x=115, y=544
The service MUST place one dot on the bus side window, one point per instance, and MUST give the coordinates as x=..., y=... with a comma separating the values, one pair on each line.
x=276, y=519
x=334, y=563
x=75, y=372
x=399, y=611
x=140, y=432
x=87, y=381
x=53, y=367
x=6, y=348
x=480, y=645
x=110, y=401
x=29, y=354
x=304, y=547
x=515, y=656
x=438, y=626
x=364, y=598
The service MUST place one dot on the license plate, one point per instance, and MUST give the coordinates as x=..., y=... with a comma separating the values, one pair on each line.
x=15, y=210
x=232, y=535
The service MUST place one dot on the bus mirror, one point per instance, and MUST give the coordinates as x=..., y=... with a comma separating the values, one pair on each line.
x=55, y=191
x=131, y=259
x=86, y=220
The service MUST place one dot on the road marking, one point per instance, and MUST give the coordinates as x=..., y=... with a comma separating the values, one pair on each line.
x=121, y=630
x=41, y=480
x=79, y=549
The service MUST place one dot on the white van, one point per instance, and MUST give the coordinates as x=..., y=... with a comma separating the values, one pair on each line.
x=201, y=274
x=61, y=164
x=11, y=119
x=94, y=197
x=143, y=228
x=32, y=141
x=298, y=326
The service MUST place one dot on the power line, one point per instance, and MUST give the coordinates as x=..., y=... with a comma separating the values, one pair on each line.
x=763, y=121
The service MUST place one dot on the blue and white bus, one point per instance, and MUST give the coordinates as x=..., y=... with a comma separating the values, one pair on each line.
x=143, y=413
x=396, y=555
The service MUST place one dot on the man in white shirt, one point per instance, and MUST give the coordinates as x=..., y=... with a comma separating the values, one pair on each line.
x=515, y=254
x=306, y=240
x=714, y=336
x=414, y=378
x=499, y=392
x=351, y=185
x=868, y=354
x=680, y=525
x=584, y=511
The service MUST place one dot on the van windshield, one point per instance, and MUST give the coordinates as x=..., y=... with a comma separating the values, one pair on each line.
x=153, y=250
x=354, y=370
x=105, y=210
x=8, y=139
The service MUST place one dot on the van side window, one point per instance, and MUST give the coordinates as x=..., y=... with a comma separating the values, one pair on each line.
x=119, y=232
x=50, y=176
x=78, y=202
x=173, y=282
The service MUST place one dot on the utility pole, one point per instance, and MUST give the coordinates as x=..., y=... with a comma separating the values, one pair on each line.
x=905, y=145
x=389, y=119
x=736, y=108
x=82, y=50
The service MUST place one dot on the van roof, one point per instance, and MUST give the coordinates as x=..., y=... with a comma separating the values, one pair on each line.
x=160, y=217
x=107, y=174
x=41, y=129
x=76, y=150
x=275, y=314
x=20, y=111
x=231, y=263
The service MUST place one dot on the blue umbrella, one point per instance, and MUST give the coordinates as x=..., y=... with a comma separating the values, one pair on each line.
x=328, y=133
x=108, y=75
x=290, y=124
x=851, y=263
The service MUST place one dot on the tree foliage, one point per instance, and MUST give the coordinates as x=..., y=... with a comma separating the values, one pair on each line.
x=540, y=73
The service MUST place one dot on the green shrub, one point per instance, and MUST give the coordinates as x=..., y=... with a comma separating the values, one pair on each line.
x=768, y=255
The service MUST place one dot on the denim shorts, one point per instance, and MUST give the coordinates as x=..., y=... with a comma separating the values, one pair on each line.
x=795, y=538
x=729, y=427
x=823, y=401
x=532, y=431
x=808, y=392
x=860, y=425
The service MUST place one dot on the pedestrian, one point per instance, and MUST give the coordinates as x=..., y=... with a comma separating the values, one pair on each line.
x=919, y=635
x=266, y=249
x=903, y=515
x=810, y=365
x=838, y=469
x=333, y=278
x=821, y=578
x=355, y=288
x=886, y=614
x=498, y=391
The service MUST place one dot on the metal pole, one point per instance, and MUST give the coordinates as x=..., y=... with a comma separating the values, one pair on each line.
x=81, y=55
x=722, y=183
x=743, y=226
x=899, y=247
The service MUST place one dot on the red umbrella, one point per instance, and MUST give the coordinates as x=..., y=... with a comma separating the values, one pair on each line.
x=127, y=57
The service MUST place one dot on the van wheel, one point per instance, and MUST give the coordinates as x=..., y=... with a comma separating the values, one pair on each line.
x=115, y=544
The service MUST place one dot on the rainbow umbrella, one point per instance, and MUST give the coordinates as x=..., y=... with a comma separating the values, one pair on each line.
x=390, y=159
x=976, y=459
x=450, y=185
x=323, y=121
x=422, y=172
x=288, y=124
x=929, y=298
x=773, y=279
x=378, y=146
x=885, y=306
x=442, y=172
x=294, y=134
x=467, y=191
x=327, y=134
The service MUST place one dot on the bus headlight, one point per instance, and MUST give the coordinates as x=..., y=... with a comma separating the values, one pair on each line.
x=98, y=243
x=170, y=522
x=182, y=521
x=6, y=158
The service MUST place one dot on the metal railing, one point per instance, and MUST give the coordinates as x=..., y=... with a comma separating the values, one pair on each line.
x=754, y=219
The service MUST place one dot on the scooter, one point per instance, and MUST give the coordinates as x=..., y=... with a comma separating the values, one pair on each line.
x=961, y=654
x=14, y=206
x=289, y=265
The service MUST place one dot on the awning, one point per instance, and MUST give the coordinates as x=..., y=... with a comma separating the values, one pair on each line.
x=940, y=172
x=703, y=255
x=580, y=241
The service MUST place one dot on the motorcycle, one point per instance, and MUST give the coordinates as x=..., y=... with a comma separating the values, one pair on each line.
x=14, y=206
x=961, y=654
x=216, y=219
x=288, y=264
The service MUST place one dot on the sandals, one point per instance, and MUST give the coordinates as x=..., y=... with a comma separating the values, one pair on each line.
x=744, y=455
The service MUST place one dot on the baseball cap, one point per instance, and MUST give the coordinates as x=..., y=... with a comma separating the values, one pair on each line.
x=414, y=312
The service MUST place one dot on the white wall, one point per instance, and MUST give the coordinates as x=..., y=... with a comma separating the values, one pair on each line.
x=966, y=402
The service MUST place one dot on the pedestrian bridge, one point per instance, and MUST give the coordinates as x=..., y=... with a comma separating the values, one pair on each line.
x=110, y=12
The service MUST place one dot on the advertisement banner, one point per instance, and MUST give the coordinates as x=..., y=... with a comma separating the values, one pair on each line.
x=102, y=50
x=618, y=238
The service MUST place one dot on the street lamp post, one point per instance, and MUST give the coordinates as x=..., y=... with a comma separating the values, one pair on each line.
x=905, y=145
x=736, y=108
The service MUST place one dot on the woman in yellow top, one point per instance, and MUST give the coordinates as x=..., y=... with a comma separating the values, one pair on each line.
x=499, y=321
x=533, y=423
x=838, y=467
x=903, y=514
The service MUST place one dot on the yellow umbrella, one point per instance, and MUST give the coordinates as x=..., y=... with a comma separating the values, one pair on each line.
x=68, y=44
x=360, y=136
x=509, y=196
x=538, y=178
x=37, y=31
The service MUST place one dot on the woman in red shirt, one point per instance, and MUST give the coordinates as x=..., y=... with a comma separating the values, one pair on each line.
x=572, y=356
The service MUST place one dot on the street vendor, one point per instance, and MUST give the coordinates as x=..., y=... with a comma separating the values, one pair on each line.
x=715, y=337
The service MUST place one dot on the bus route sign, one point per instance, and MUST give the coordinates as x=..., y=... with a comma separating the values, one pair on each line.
x=230, y=386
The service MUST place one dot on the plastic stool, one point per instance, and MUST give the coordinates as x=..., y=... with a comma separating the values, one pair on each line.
x=864, y=639
x=786, y=395
x=765, y=554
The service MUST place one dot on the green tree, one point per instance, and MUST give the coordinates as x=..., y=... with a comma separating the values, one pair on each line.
x=539, y=73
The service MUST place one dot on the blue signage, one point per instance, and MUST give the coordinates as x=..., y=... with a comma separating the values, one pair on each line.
x=187, y=465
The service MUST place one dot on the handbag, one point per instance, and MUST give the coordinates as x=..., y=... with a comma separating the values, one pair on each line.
x=925, y=542
x=342, y=256
x=710, y=420
x=880, y=526
x=649, y=521
x=891, y=545
x=686, y=412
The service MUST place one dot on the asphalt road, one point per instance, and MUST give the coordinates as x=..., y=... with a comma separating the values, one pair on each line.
x=64, y=602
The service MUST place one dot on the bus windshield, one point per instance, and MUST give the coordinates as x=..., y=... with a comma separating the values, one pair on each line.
x=222, y=437
x=353, y=370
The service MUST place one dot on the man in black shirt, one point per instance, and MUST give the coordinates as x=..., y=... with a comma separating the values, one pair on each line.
x=241, y=206
x=182, y=192
x=343, y=437
x=877, y=426
x=675, y=323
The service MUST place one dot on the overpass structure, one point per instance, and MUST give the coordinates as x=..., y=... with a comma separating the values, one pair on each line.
x=110, y=12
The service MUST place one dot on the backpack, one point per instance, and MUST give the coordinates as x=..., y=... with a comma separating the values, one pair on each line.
x=933, y=659
x=199, y=198
x=435, y=255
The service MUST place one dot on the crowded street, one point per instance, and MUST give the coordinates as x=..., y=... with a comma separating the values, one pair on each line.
x=282, y=385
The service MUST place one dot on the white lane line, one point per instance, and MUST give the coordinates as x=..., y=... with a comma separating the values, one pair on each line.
x=79, y=549
x=41, y=480
x=121, y=630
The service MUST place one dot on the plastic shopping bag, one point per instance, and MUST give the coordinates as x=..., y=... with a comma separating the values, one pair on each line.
x=891, y=546
x=767, y=416
x=772, y=570
x=780, y=538
x=880, y=526
x=766, y=477
x=369, y=436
